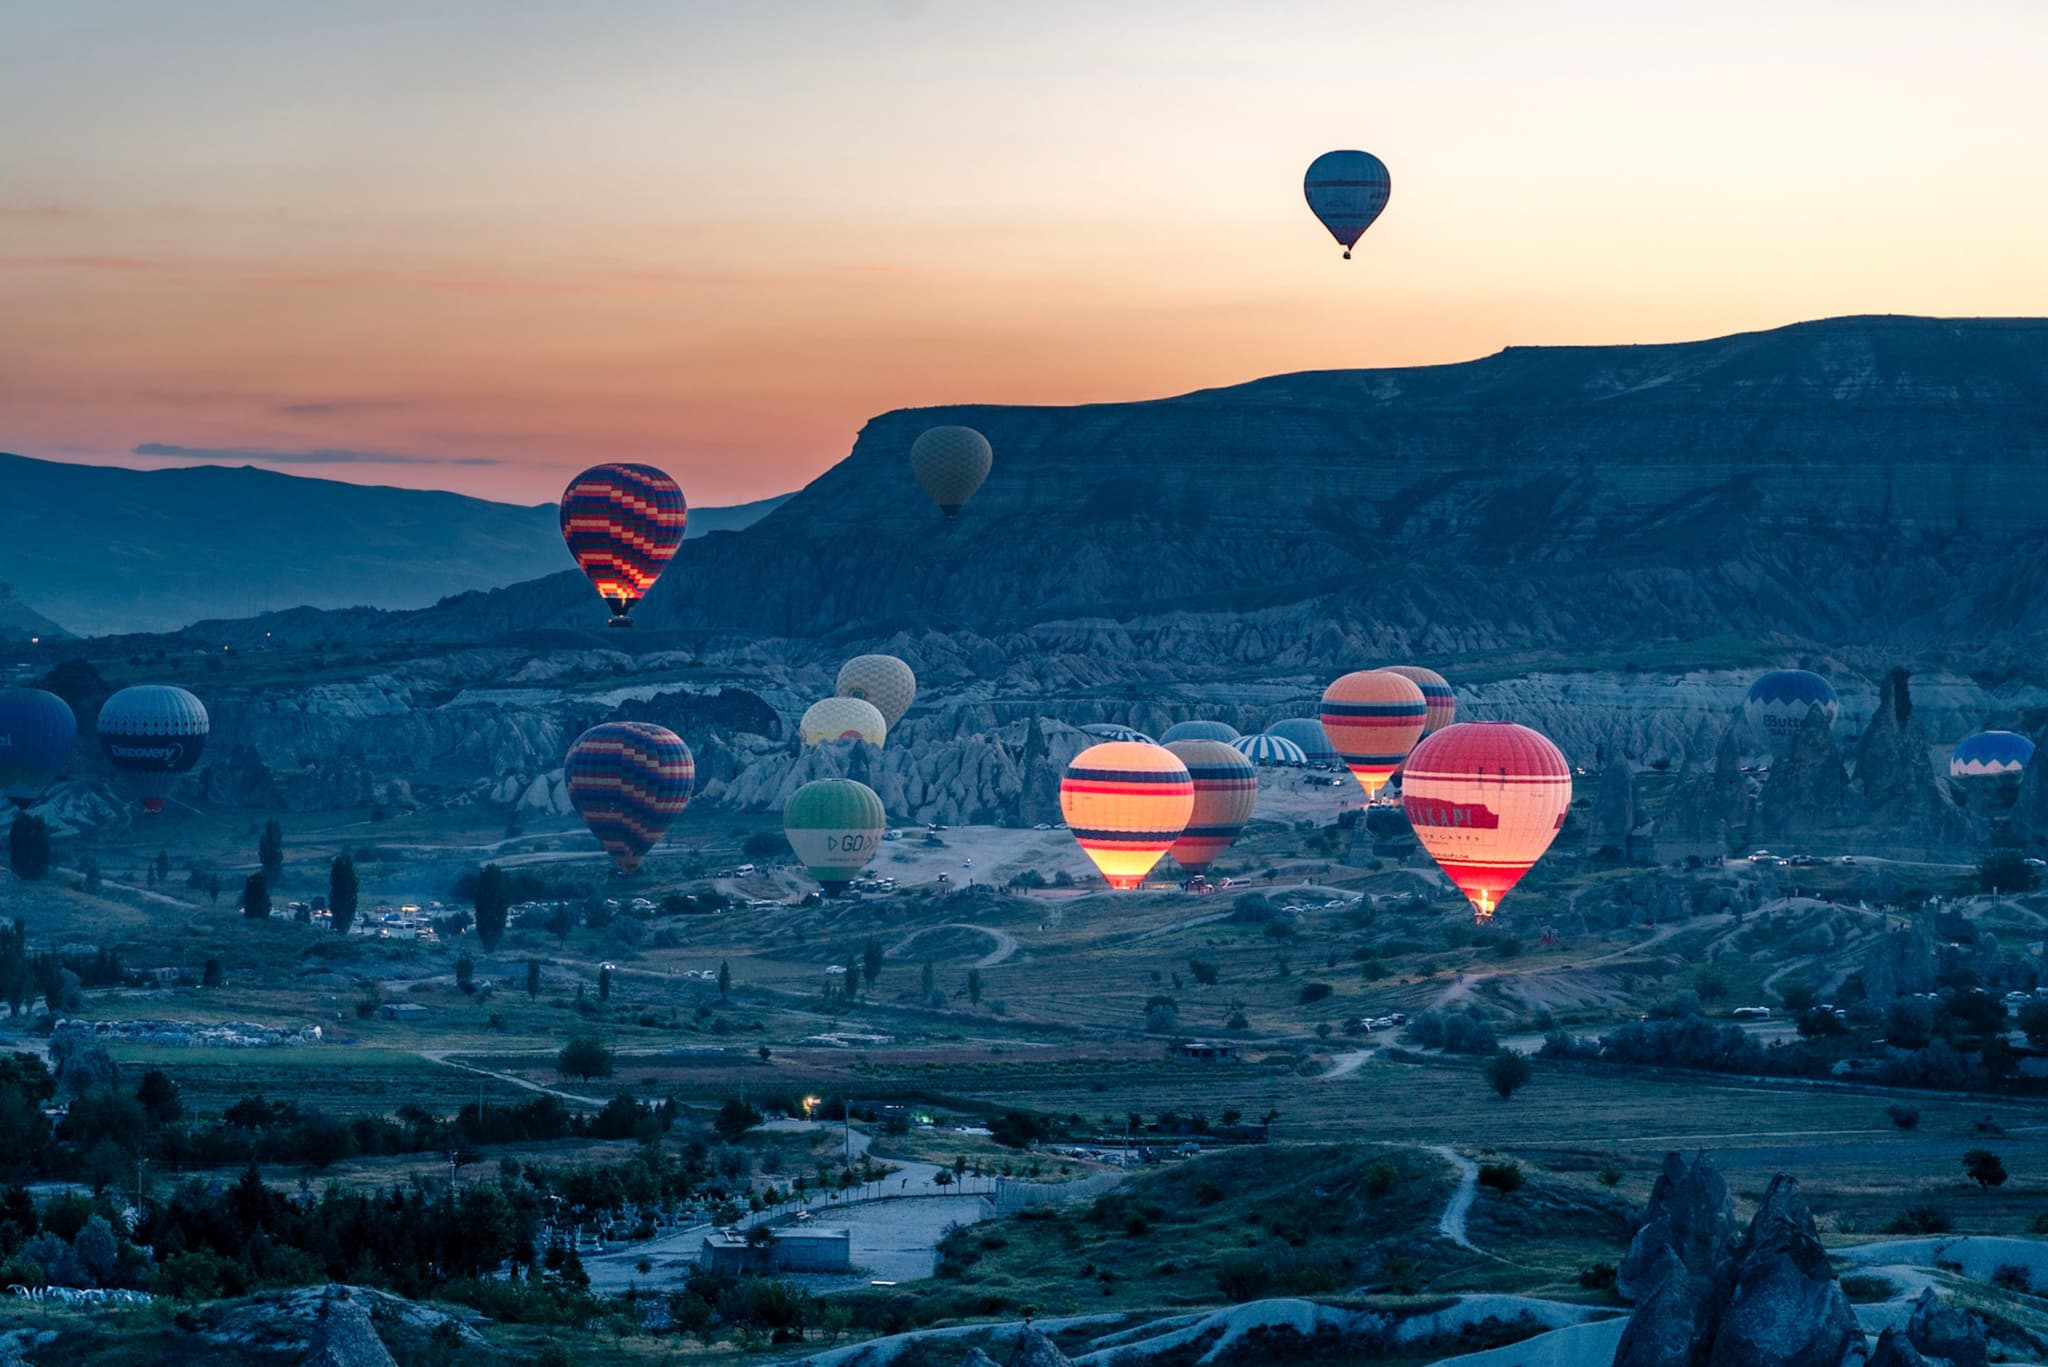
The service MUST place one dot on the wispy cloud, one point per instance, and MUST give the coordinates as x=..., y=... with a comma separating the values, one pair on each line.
x=334, y=408
x=246, y=456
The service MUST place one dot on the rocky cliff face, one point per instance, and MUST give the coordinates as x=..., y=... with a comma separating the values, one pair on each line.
x=1707, y=1299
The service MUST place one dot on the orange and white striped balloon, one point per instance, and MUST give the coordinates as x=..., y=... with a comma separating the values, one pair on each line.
x=1373, y=718
x=1126, y=803
x=1486, y=798
x=1437, y=697
x=1226, y=791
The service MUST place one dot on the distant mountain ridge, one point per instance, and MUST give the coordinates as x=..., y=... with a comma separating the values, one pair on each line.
x=20, y=622
x=1874, y=482
x=104, y=549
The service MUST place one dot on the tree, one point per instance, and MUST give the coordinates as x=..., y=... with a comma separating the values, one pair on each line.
x=1507, y=1073
x=735, y=1118
x=159, y=1096
x=211, y=975
x=724, y=978
x=604, y=982
x=927, y=981
x=871, y=960
x=1903, y=1117
x=532, y=979
x=465, y=971
x=1985, y=1168
x=2005, y=871
x=342, y=891
x=162, y=867
x=493, y=904
x=584, y=1056
x=270, y=852
x=1205, y=970
x=852, y=973
x=213, y=885
x=28, y=847
x=256, y=898
x=561, y=921
x=2033, y=1019
x=974, y=986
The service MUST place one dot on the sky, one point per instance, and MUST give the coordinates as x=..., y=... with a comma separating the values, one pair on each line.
x=481, y=244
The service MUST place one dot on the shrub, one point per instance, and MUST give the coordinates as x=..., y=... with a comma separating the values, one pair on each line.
x=1504, y=1176
x=1904, y=1117
x=1244, y=1276
x=1921, y=1220
x=1507, y=1073
x=584, y=1056
x=1314, y=992
x=1598, y=1277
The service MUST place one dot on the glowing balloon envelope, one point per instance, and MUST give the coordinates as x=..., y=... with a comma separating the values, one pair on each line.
x=883, y=680
x=152, y=734
x=1126, y=802
x=1226, y=791
x=830, y=719
x=1780, y=701
x=1346, y=191
x=1442, y=704
x=1373, y=718
x=834, y=825
x=951, y=463
x=1486, y=798
x=629, y=780
x=37, y=735
x=623, y=524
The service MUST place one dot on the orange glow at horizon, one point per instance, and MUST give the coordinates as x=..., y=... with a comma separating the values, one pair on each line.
x=493, y=244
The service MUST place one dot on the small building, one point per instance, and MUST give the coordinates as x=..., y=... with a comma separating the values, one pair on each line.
x=1206, y=1051
x=787, y=1250
x=403, y=1011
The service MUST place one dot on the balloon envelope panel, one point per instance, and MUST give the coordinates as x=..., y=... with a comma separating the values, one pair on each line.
x=629, y=780
x=883, y=680
x=951, y=463
x=835, y=825
x=1198, y=730
x=1346, y=191
x=1267, y=748
x=830, y=719
x=1373, y=718
x=1991, y=754
x=1126, y=802
x=1308, y=733
x=1436, y=695
x=1486, y=799
x=623, y=524
x=1226, y=791
x=152, y=733
x=1779, y=703
x=38, y=734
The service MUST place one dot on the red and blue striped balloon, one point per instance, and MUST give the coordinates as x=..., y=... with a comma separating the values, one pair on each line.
x=628, y=780
x=623, y=524
x=37, y=736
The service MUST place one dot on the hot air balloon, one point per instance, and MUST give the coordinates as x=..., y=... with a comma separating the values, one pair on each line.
x=1226, y=790
x=623, y=524
x=1267, y=749
x=1308, y=733
x=1373, y=718
x=1109, y=730
x=1486, y=798
x=951, y=463
x=1999, y=756
x=1347, y=190
x=1198, y=730
x=1436, y=694
x=628, y=780
x=882, y=680
x=1127, y=802
x=835, y=826
x=1778, y=704
x=830, y=719
x=152, y=733
x=37, y=736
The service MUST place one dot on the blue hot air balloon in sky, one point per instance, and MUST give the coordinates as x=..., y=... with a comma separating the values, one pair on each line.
x=1346, y=191
x=1779, y=703
x=1990, y=754
x=37, y=736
